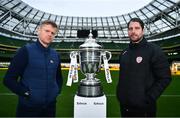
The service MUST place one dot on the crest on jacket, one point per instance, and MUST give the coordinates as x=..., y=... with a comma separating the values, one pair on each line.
x=139, y=59
x=51, y=61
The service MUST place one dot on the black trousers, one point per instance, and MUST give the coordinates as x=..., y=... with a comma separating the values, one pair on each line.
x=149, y=111
x=40, y=111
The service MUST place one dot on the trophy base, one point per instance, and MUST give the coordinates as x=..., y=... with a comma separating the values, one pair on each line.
x=87, y=107
x=90, y=88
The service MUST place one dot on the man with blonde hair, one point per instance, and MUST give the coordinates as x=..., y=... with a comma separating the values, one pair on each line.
x=35, y=75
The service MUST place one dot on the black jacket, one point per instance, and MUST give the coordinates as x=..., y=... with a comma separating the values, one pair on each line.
x=144, y=74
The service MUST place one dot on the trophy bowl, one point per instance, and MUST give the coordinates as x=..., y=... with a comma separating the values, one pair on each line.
x=90, y=63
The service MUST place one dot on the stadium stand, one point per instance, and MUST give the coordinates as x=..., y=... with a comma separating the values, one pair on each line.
x=19, y=21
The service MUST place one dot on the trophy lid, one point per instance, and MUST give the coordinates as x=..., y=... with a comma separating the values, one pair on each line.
x=90, y=43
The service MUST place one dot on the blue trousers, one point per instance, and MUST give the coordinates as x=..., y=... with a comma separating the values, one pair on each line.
x=48, y=110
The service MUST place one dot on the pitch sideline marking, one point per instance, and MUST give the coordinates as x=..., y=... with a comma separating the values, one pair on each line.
x=11, y=94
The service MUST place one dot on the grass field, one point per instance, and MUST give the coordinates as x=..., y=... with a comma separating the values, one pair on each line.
x=168, y=103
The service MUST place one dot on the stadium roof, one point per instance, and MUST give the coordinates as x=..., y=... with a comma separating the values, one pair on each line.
x=159, y=16
x=88, y=8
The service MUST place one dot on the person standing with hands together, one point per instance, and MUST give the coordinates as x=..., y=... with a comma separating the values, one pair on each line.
x=144, y=74
x=35, y=76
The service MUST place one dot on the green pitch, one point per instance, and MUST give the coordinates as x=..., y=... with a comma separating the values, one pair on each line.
x=168, y=103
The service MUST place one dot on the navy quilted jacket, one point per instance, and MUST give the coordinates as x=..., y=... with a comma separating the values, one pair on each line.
x=40, y=74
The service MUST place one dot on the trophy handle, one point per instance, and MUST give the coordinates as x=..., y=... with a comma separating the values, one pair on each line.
x=109, y=54
x=73, y=53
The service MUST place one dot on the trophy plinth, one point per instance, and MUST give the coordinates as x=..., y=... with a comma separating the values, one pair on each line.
x=94, y=90
x=90, y=87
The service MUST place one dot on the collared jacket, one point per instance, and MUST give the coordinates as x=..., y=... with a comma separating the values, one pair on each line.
x=39, y=72
x=144, y=74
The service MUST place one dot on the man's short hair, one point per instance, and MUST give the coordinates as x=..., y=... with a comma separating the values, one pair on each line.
x=137, y=20
x=49, y=22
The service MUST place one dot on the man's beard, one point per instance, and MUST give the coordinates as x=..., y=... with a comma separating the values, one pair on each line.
x=137, y=39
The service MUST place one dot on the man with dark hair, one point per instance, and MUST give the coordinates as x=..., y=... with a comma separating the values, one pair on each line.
x=35, y=75
x=144, y=74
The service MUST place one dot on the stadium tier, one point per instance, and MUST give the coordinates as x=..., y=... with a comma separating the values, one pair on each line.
x=19, y=22
x=8, y=47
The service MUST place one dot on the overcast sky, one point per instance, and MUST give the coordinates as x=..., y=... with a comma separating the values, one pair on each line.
x=88, y=8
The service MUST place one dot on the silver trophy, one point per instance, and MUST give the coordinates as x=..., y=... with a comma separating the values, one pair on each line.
x=90, y=56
